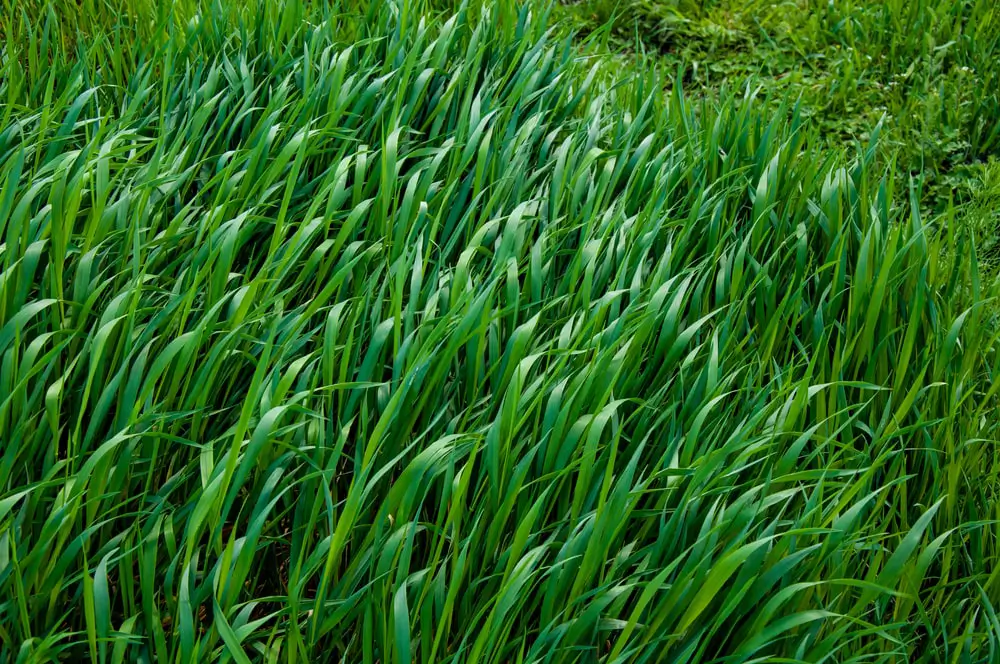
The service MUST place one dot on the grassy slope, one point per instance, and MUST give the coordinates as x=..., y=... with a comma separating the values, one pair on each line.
x=393, y=341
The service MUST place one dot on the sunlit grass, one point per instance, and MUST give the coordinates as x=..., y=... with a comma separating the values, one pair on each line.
x=394, y=337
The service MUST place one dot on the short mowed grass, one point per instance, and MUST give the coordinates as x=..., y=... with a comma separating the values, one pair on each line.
x=378, y=333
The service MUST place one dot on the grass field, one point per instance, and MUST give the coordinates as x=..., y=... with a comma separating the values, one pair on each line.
x=434, y=332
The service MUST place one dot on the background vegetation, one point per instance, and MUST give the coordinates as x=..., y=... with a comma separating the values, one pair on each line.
x=410, y=333
x=925, y=69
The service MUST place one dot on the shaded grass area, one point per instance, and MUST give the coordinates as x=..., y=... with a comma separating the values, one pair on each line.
x=381, y=335
x=928, y=67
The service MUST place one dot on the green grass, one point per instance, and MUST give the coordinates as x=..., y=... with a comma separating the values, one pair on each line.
x=927, y=67
x=376, y=335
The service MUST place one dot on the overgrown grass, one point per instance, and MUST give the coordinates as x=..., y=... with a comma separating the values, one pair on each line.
x=386, y=337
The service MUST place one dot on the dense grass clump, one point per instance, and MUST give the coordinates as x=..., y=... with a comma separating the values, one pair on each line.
x=390, y=337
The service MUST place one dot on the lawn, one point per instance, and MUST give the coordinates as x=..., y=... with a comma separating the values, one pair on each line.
x=926, y=69
x=405, y=331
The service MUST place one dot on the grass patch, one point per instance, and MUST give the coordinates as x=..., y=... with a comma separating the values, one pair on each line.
x=383, y=335
x=927, y=68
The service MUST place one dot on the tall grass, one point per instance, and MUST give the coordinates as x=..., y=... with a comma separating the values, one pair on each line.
x=387, y=337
